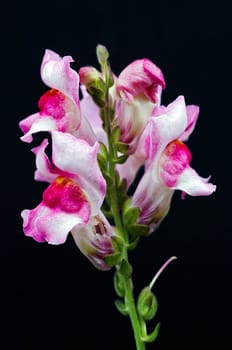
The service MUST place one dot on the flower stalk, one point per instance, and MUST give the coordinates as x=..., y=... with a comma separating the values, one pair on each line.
x=126, y=280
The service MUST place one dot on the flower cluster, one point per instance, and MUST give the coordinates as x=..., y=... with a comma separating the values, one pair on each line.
x=118, y=126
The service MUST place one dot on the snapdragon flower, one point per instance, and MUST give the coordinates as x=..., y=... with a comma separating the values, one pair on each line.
x=167, y=162
x=73, y=199
x=59, y=107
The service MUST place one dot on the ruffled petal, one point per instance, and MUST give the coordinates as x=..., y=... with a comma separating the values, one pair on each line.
x=64, y=206
x=141, y=76
x=45, y=171
x=77, y=157
x=175, y=172
x=45, y=225
x=60, y=106
x=36, y=124
x=192, y=115
x=165, y=125
x=191, y=183
x=57, y=74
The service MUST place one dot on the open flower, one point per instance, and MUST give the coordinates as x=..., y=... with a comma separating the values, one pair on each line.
x=73, y=199
x=167, y=166
x=59, y=107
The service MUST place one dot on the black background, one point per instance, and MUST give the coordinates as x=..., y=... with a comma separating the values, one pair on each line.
x=51, y=296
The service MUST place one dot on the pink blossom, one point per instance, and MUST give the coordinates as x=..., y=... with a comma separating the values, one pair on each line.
x=74, y=197
x=167, y=163
x=59, y=107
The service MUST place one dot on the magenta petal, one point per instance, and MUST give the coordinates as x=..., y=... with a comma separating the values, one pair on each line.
x=64, y=206
x=141, y=76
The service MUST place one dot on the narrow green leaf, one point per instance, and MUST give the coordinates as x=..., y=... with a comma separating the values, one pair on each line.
x=117, y=242
x=113, y=259
x=119, y=285
x=133, y=243
x=125, y=268
x=138, y=229
x=121, y=307
x=121, y=147
x=130, y=215
x=121, y=159
x=150, y=338
x=115, y=133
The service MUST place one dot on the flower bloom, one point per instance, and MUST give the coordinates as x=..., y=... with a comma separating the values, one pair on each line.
x=73, y=199
x=59, y=107
x=167, y=161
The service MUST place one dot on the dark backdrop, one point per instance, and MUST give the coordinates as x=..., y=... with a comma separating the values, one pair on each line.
x=51, y=296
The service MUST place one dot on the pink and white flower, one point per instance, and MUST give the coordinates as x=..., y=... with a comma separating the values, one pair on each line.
x=59, y=107
x=73, y=199
x=167, y=162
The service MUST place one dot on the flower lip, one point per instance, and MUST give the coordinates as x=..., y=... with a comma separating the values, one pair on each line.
x=175, y=158
x=66, y=195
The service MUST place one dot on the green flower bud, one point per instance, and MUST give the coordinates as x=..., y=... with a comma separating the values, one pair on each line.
x=147, y=304
x=102, y=54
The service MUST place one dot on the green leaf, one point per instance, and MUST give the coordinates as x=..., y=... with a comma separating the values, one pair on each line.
x=113, y=259
x=117, y=242
x=121, y=307
x=121, y=147
x=125, y=268
x=118, y=285
x=138, y=229
x=133, y=243
x=130, y=214
x=150, y=338
x=98, y=99
x=115, y=135
x=110, y=77
x=102, y=161
x=121, y=159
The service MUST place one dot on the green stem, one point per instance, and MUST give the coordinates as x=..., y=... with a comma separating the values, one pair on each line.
x=127, y=281
x=130, y=304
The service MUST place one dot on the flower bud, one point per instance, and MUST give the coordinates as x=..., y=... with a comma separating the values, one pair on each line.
x=102, y=54
x=92, y=79
x=89, y=76
x=147, y=304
